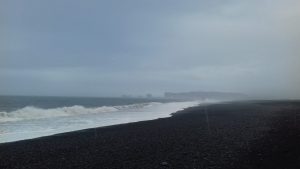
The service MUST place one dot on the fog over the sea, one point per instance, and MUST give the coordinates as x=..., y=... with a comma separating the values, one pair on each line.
x=114, y=47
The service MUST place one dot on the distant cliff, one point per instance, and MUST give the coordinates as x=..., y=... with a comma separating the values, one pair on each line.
x=205, y=95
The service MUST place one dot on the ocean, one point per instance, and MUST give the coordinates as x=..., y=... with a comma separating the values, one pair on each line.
x=27, y=117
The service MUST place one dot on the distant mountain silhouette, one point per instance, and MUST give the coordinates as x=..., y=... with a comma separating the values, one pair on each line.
x=205, y=95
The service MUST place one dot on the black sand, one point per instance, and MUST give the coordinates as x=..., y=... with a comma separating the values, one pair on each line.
x=241, y=135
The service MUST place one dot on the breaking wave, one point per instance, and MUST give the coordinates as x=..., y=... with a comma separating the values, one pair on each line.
x=31, y=112
x=32, y=122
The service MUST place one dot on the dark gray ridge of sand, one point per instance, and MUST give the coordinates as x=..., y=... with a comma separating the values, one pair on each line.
x=241, y=135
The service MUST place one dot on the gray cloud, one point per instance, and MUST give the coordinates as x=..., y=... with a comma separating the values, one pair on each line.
x=115, y=47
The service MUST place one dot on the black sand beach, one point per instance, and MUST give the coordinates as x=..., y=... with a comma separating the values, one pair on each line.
x=240, y=135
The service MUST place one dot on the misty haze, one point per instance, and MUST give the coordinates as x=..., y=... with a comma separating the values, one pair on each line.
x=149, y=84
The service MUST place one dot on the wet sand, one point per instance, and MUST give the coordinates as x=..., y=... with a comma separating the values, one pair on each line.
x=253, y=134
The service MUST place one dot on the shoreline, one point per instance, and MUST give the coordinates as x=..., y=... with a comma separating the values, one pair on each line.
x=249, y=134
x=130, y=119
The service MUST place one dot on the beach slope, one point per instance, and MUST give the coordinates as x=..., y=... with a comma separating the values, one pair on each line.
x=250, y=134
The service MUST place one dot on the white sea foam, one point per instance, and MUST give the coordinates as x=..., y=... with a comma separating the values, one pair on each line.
x=30, y=112
x=32, y=122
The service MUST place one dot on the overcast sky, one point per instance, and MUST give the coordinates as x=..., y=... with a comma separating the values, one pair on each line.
x=115, y=47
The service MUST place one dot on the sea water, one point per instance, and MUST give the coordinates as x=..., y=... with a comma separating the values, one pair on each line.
x=23, y=117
